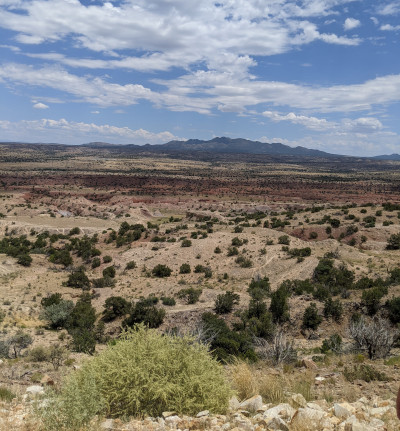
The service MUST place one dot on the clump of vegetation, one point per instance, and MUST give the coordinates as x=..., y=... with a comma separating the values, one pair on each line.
x=365, y=372
x=190, y=295
x=185, y=269
x=161, y=271
x=225, y=302
x=143, y=374
x=146, y=312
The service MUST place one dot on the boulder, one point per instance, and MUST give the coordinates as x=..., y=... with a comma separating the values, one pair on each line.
x=252, y=404
x=343, y=410
x=297, y=400
x=277, y=424
x=283, y=411
x=309, y=364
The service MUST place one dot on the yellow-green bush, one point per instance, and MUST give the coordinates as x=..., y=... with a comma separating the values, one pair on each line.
x=146, y=373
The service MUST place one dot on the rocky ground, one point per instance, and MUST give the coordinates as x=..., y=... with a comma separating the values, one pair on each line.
x=365, y=414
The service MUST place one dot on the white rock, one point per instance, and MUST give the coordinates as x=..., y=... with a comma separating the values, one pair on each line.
x=252, y=404
x=378, y=412
x=203, y=413
x=297, y=400
x=108, y=424
x=234, y=403
x=285, y=411
x=35, y=390
x=343, y=410
x=172, y=421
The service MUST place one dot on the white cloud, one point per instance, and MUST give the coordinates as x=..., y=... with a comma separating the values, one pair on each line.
x=391, y=8
x=40, y=105
x=69, y=132
x=351, y=23
x=159, y=35
x=389, y=27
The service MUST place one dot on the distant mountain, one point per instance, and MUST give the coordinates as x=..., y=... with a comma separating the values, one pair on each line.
x=245, y=146
x=387, y=157
x=99, y=145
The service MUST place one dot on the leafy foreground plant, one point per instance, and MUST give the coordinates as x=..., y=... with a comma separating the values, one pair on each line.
x=144, y=373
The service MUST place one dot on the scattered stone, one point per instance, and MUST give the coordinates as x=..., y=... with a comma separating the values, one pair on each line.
x=203, y=413
x=234, y=403
x=343, y=410
x=168, y=414
x=277, y=424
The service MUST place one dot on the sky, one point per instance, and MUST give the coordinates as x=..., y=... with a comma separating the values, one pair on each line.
x=323, y=74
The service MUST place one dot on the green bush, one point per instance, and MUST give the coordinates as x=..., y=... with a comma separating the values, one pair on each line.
x=144, y=311
x=161, y=271
x=109, y=272
x=130, y=265
x=279, y=306
x=371, y=299
x=190, y=295
x=6, y=394
x=225, y=302
x=184, y=269
x=167, y=300
x=144, y=373
x=393, y=306
x=24, y=259
x=78, y=279
x=57, y=314
x=115, y=306
x=186, y=243
x=311, y=318
x=96, y=262
x=284, y=239
x=393, y=243
x=364, y=372
x=333, y=309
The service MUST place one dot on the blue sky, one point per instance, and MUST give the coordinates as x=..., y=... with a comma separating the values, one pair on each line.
x=324, y=74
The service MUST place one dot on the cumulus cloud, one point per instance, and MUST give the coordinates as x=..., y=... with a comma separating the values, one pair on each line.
x=389, y=27
x=154, y=35
x=40, y=105
x=391, y=8
x=351, y=23
x=69, y=132
x=358, y=125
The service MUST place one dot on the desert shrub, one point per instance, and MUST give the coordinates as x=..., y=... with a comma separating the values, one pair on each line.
x=393, y=242
x=393, y=307
x=115, y=306
x=278, y=350
x=161, y=271
x=38, y=354
x=107, y=259
x=394, y=276
x=75, y=405
x=81, y=325
x=199, y=268
x=190, y=295
x=225, y=344
x=74, y=231
x=217, y=250
x=61, y=257
x=54, y=298
x=100, y=283
x=96, y=262
x=373, y=336
x=332, y=344
x=284, y=239
x=371, y=299
x=78, y=279
x=146, y=373
x=184, y=268
x=225, y=302
x=365, y=372
x=186, y=243
x=259, y=285
x=169, y=301
x=130, y=265
x=18, y=342
x=333, y=309
x=24, y=259
x=236, y=242
x=145, y=312
x=243, y=379
x=279, y=306
x=232, y=251
x=109, y=272
x=311, y=318
x=244, y=262
x=6, y=394
x=57, y=314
